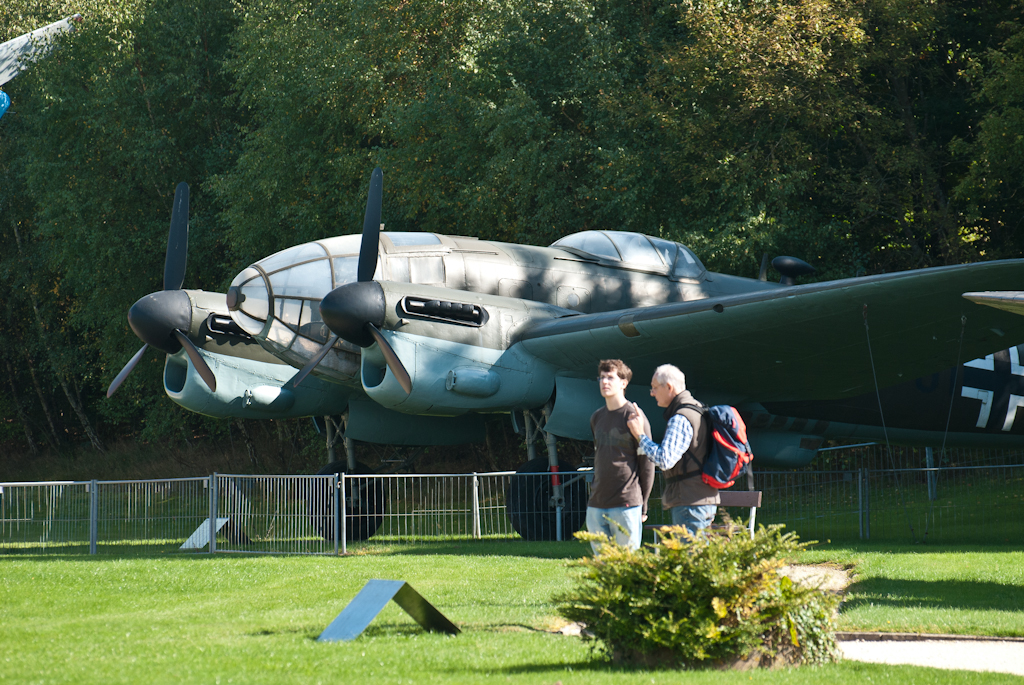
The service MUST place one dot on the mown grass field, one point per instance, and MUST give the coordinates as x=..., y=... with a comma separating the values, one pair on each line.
x=246, y=619
x=931, y=588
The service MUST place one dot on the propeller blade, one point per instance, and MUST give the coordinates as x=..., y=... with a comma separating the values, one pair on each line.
x=301, y=375
x=392, y=360
x=197, y=360
x=371, y=229
x=177, y=240
x=116, y=383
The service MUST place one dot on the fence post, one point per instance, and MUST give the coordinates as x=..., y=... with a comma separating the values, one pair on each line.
x=476, y=507
x=929, y=461
x=860, y=503
x=867, y=504
x=334, y=517
x=339, y=511
x=213, y=513
x=94, y=515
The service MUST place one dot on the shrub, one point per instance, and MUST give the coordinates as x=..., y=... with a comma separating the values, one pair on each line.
x=714, y=600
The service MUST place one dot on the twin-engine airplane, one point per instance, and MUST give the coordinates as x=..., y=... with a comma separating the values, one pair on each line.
x=414, y=338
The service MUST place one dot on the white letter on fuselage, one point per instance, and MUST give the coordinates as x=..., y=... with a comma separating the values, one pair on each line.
x=986, y=403
x=1011, y=411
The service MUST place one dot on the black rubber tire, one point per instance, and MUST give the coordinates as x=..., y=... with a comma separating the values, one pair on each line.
x=528, y=502
x=364, y=510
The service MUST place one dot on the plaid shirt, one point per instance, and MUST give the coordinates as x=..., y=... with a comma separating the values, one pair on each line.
x=678, y=435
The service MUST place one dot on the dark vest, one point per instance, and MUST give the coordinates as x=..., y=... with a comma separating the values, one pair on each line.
x=683, y=485
x=693, y=459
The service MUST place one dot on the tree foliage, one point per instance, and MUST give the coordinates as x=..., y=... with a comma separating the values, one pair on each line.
x=860, y=135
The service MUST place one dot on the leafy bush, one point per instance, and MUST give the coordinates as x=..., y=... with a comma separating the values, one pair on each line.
x=715, y=600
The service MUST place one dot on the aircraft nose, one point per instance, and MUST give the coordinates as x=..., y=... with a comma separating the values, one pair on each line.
x=155, y=317
x=248, y=301
x=348, y=308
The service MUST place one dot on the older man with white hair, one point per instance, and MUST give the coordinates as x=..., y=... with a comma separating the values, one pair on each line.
x=681, y=452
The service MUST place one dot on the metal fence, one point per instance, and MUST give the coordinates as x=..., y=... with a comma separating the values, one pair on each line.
x=422, y=507
x=251, y=514
x=45, y=516
x=971, y=500
x=272, y=515
x=240, y=513
x=901, y=494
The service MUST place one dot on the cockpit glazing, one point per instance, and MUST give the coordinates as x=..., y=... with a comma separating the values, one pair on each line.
x=635, y=250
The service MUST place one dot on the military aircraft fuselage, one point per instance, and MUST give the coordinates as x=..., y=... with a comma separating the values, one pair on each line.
x=417, y=337
x=977, y=404
x=469, y=317
x=251, y=379
x=277, y=298
x=465, y=361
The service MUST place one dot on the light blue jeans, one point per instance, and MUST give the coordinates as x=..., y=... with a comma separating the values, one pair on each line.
x=612, y=521
x=694, y=517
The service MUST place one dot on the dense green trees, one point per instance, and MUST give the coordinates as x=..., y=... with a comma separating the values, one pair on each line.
x=990, y=194
x=132, y=102
x=861, y=135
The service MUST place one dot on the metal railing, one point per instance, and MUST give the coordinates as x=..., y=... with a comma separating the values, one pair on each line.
x=980, y=503
x=251, y=514
x=55, y=516
x=145, y=513
x=967, y=504
x=273, y=514
x=439, y=506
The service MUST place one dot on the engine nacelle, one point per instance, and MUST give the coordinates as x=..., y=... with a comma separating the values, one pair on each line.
x=459, y=349
x=249, y=389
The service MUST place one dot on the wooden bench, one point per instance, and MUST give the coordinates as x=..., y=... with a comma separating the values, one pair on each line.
x=729, y=498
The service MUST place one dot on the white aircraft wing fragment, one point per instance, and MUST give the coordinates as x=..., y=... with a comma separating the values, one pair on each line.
x=31, y=46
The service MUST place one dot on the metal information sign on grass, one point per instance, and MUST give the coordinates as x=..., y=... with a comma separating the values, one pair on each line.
x=374, y=596
x=201, y=537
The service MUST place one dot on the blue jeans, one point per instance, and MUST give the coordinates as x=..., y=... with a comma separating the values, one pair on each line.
x=608, y=521
x=694, y=517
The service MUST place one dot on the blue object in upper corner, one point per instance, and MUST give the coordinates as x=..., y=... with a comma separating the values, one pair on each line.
x=5, y=102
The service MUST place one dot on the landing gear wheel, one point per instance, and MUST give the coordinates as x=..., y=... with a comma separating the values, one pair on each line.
x=365, y=502
x=529, y=501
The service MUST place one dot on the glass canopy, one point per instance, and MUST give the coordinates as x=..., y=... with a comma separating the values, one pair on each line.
x=635, y=250
x=277, y=298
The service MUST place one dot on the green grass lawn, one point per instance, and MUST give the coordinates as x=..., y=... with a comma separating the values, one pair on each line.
x=247, y=619
x=931, y=589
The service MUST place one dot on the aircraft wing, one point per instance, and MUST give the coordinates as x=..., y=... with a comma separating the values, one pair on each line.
x=1012, y=301
x=802, y=342
x=30, y=45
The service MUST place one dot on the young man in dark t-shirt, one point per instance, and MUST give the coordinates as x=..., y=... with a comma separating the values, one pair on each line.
x=622, y=480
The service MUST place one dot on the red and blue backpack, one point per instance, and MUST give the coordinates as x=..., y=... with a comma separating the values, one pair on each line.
x=728, y=450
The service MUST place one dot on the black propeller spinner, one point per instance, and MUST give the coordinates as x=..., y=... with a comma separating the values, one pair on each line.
x=355, y=311
x=159, y=318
